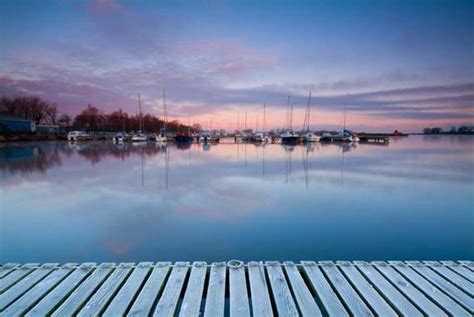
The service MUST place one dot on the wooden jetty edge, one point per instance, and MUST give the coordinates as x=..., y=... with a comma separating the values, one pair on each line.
x=309, y=288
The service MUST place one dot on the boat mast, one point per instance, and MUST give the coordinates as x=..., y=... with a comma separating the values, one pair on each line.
x=263, y=125
x=165, y=115
x=140, y=112
x=345, y=113
x=288, y=113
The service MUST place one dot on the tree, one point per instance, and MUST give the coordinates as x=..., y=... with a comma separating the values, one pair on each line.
x=30, y=107
x=65, y=120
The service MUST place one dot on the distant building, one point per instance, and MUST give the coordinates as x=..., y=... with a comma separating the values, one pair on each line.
x=47, y=129
x=10, y=124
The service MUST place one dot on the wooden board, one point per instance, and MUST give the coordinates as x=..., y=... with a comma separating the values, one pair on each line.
x=235, y=289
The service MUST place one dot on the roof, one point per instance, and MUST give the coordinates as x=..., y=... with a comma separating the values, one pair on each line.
x=4, y=117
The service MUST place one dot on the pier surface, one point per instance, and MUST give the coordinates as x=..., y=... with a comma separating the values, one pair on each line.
x=256, y=288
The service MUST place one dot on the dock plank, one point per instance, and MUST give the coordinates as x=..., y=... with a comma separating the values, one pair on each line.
x=100, y=299
x=323, y=290
x=458, y=295
x=168, y=302
x=261, y=303
x=460, y=269
x=16, y=275
x=350, y=297
x=423, y=302
x=34, y=294
x=281, y=292
x=367, y=290
x=7, y=268
x=25, y=284
x=239, y=299
x=215, y=298
x=443, y=300
x=389, y=292
x=150, y=291
x=84, y=291
x=191, y=305
x=304, y=299
x=451, y=276
x=54, y=298
x=118, y=306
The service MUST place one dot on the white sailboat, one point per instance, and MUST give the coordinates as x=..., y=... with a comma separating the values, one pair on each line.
x=161, y=138
x=309, y=136
x=289, y=137
x=140, y=136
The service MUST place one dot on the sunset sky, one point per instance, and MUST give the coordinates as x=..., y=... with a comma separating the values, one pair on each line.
x=396, y=64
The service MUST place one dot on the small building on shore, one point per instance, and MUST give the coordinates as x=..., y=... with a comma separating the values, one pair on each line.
x=11, y=124
x=47, y=129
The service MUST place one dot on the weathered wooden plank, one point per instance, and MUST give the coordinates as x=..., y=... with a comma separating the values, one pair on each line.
x=25, y=284
x=84, y=291
x=54, y=298
x=417, y=297
x=460, y=269
x=191, y=305
x=367, y=290
x=99, y=301
x=388, y=291
x=34, y=294
x=153, y=286
x=15, y=275
x=305, y=300
x=281, y=292
x=119, y=304
x=7, y=268
x=326, y=295
x=215, y=298
x=261, y=303
x=453, y=277
x=446, y=302
x=458, y=295
x=239, y=300
x=168, y=302
x=353, y=301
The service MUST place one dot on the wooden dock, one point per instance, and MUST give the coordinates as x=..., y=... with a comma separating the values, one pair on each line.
x=236, y=289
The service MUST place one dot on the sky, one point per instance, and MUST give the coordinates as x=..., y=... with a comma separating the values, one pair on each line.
x=393, y=64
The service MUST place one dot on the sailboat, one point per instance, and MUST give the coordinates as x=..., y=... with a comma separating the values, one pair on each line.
x=289, y=137
x=140, y=136
x=260, y=137
x=309, y=137
x=161, y=138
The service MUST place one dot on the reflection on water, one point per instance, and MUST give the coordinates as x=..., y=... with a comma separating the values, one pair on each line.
x=99, y=201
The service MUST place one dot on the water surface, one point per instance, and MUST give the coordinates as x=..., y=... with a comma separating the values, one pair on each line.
x=412, y=199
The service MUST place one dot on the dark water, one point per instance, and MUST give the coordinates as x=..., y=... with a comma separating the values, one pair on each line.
x=412, y=199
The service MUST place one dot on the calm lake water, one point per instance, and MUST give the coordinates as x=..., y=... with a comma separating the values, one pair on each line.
x=412, y=199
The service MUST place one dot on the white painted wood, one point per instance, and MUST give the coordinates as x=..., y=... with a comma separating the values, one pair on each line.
x=215, y=298
x=84, y=291
x=388, y=291
x=350, y=297
x=367, y=290
x=305, y=300
x=323, y=290
x=443, y=300
x=281, y=292
x=149, y=293
x=261, y=303
x=100, y=299
x=168, y=302
x=417, y=297
x=453, y=277
x=191, y=305
x=239, y=299
x=34, y=294
x=460, y=269
x=126, y=294
x=7, y=268
x=458, y=295
x=15, y=275
x=25, y=284
x=54, y=298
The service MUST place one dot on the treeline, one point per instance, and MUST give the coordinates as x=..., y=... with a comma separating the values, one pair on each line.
x=460, y=130
x=90, y=119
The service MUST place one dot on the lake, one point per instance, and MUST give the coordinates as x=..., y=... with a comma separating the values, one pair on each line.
x=97, y=201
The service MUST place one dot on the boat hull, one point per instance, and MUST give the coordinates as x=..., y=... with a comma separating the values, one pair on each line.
x=289, y=139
